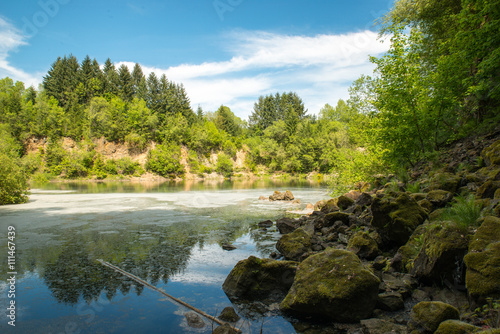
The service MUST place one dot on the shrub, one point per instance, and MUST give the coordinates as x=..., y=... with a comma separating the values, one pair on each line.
x=464, y=212
x=224, y=165
x=13, y=181
x=165, y=160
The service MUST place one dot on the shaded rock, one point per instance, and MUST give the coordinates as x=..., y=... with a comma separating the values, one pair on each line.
x=396, y=218
x=483, y=261
x=445, y=181
x=254, y=279
x=343, y=202
x=426, y=317
x=363, y=246
x=396, y=282
x=410, y=250
x=491, y=154
x=194, y=320
x=364, y=200
x=379, y=263
x=319, y=205
x=334, y=285
x=293, y=245
x=228, y=247
x=286, y=225
x=456, y=327
x=266, y=224
x=418, y=196
x=224, y=329
x=353, y=194
x=331, y=218
x=329, y=206
x=439, y=198
x=426, y=204
x=488, y=189
x=390, y=301
x=420, y=296
x=380, y=326
x=443, y=247
x=229, y=314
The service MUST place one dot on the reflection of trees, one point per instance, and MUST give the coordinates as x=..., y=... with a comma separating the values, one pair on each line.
x=76, y=273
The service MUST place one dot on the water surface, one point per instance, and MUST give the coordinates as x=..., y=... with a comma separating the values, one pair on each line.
x=167, y=234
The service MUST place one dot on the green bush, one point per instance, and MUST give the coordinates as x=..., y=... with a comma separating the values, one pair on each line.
x=224, y=165
x=165, y=160
x=126, y=166
x=13, y=181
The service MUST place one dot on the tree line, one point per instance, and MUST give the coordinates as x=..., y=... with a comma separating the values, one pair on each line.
x=437, y=83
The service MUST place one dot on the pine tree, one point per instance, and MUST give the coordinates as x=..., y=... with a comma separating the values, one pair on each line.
x=112, y=79
x=126, y=85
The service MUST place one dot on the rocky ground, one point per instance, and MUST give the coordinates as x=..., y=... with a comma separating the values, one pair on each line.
x=415, y=257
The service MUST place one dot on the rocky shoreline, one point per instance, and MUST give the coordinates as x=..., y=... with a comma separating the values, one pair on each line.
x=390, y=260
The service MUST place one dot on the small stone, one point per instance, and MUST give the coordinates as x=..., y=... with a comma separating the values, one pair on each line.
x=224, y=329
x=390, y=301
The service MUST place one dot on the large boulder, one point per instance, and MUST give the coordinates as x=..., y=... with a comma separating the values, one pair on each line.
x=456, y=327
x=482, y=277
x=286, y=225
x=491, y=154
x=333, y=285
x=329, y=206
x=442, y=251
x=439, y=198
x=257, y=279
x=488, y=189
x=407, y=253
x=295, y=244
x=343, y=202
x=396, y=218
x=425, y=317
x=363, y=246
x=445, y=181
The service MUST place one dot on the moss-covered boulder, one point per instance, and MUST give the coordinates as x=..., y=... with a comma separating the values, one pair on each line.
x=444, y=245
x=456, y=327
x=445, y=181
x=258, y=279
x=410, y=250
x=286, y=225
x=426, y=317
x=439, y=198
x=295, y=244
x=333, y=217
x=482, y=277
x=396, y=218
x=488, y=189
x=491, y=154
x=343, y=202
x=363, y=246
x=332, y=285
x=329, y=206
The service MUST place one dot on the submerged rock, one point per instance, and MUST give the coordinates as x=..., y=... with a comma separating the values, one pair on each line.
x=295, y=244
x=256, y=279
x=279, y=196
x=194, y=320
x=426, y=317
x=228, y=247
x=335, y=285
x=483, y=261
x=397, y=217
x=224, y=329
x=265, y=224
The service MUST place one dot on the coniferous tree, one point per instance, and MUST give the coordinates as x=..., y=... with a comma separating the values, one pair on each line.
x=112, y=79
x=126, y=84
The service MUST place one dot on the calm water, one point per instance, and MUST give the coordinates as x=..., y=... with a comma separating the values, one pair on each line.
x=168, y=234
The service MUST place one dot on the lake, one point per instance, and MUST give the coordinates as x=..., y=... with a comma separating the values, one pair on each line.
x=168, y=234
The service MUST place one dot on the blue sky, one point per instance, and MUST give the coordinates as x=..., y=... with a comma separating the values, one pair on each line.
x=224, y=51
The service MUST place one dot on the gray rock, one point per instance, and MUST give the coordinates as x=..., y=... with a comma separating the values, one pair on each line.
x=194, y=320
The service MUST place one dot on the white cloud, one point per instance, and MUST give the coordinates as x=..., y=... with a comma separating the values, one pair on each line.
x=10, y=40
x=319, y=68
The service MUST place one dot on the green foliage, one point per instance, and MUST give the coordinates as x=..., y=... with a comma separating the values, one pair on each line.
x=13, y=178
x=165, y=160
x=224, y=165
x=413, y=187
x=464, y=212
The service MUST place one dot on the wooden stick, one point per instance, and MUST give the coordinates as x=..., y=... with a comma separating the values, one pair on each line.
x=146, y=284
